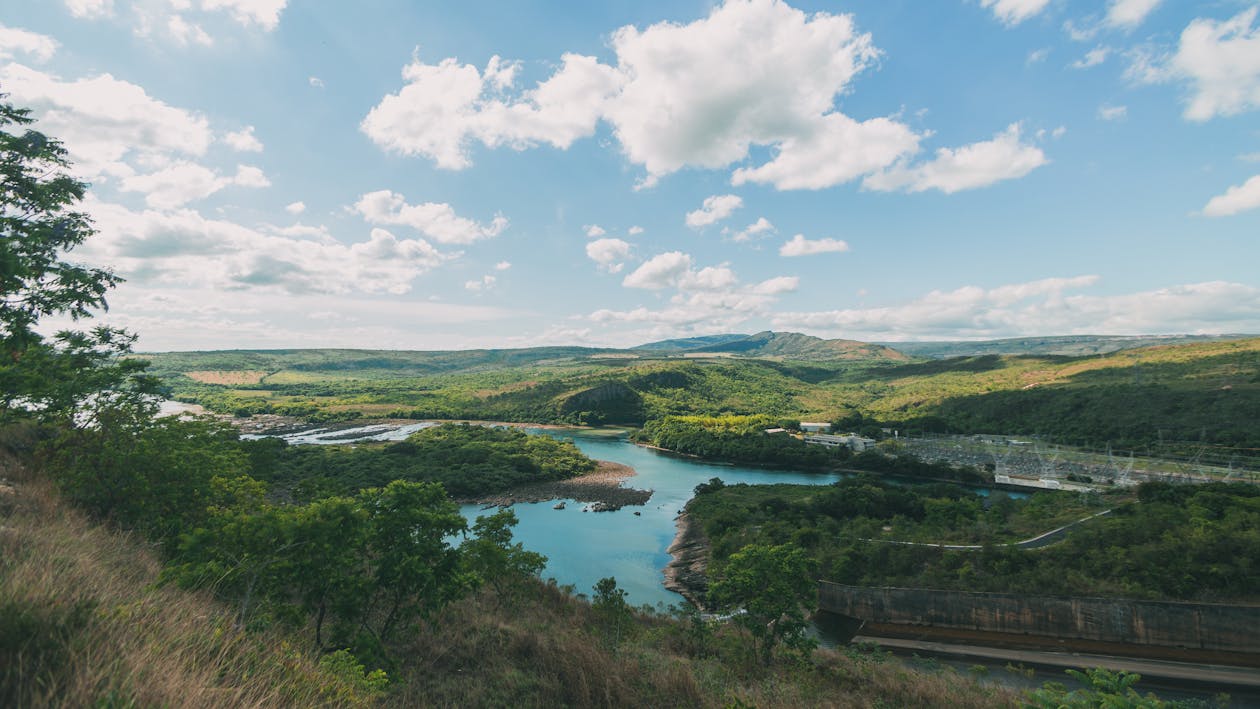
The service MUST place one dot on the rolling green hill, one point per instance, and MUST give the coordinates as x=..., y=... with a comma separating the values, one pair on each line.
x=1205, y=392
x=1066, y=345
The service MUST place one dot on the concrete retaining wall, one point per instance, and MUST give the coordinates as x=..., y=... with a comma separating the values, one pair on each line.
x=1207, y=626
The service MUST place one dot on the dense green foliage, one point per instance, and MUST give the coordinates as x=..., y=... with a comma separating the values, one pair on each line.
x=72, y=375
x=770, y=588
x=743, y=439
x=1166, y=400
x=468, y=461
x=1197, y=542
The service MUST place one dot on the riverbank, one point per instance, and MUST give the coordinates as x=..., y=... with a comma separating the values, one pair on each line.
x=602, y=489
x=689, y=561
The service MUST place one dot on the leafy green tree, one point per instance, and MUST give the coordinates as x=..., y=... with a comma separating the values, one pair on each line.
x=769, y=589
x=151, y=475
x=39, y=225
x=1100, y=688
x=416, y=570
x=610, y=605
x=491, y=557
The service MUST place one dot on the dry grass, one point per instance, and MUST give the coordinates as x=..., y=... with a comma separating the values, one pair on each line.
x=227, y=377
x=83, y=624
x=549, y=652
x=98, y=633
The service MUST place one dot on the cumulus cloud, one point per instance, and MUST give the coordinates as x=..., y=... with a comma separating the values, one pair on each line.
x=634, y=230
x=243, y=140
x=1005, y=157
x=761, y=226
x=709, y=299
x=104, y=121
x=295, y=208
x=444, y=107
x=184, y=182
x=315, y=82
x=181, y=248
x=1128, y=14
x=1042, y=307
x=660, y=271
x=15, y=41
x=610, y=254
x=702, y=94
x=800, y=246
x=714, y=209
x=1218, y=61
x=1239, y=198
x=502, y=266
x=437, y=221
x=594, y=231
x=1013, y=12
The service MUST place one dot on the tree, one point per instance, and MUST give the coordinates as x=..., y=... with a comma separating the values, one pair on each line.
x=491, y=557
x=39, y=225
x=768, y=588
x=610, y=604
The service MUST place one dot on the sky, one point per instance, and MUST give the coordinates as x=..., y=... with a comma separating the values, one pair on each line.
x=400, y=175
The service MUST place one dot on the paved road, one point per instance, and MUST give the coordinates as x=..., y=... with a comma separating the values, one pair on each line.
x=1242, y=677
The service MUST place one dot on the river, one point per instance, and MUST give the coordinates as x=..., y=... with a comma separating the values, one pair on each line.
x=583, y=547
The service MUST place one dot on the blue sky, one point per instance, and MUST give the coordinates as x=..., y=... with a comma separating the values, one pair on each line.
x=445, y=175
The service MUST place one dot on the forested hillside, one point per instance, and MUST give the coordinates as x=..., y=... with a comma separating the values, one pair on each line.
x=1190, y=394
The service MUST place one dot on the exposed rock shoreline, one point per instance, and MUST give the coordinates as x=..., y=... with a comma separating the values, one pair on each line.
x=685, y=573
x=602, y=488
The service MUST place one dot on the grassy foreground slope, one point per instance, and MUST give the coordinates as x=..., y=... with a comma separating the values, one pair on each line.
x=83, y=624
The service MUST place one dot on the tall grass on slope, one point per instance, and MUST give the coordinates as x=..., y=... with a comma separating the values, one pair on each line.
x=81, y=623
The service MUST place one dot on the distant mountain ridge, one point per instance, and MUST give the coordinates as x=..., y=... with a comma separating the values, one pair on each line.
x=794, y=345
x=1066, y=345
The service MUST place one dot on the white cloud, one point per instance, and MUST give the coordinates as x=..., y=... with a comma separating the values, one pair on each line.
x=761, y=226
x=486, y=283
x=315, y=82
x=1013, y=12
x=15, y=41
x=1112, y=113
x=443, y=107
x=502, y=266
x=594, y=230
x=1249, y=157
x=1220, y=61
x=183, y=249
x=1239, y=198
x=184, y=182
x=610, y=254
x=713, y=210
x=104, y=121
x=263, y=13
x=634, y=230
x=182, y=31
x=703, y=94
x=90, y=9
x=980, y=164
x=660, y=271
x=1129, y=13
x=437, y=221
x=295, y=208
x=1043, y=307
x=1081, y=33
x=838, y=149
x=1092, y=58
x=1037, y=56
x=243, y=140
x=710, y=299
x=777, y=285
x=800, y=246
